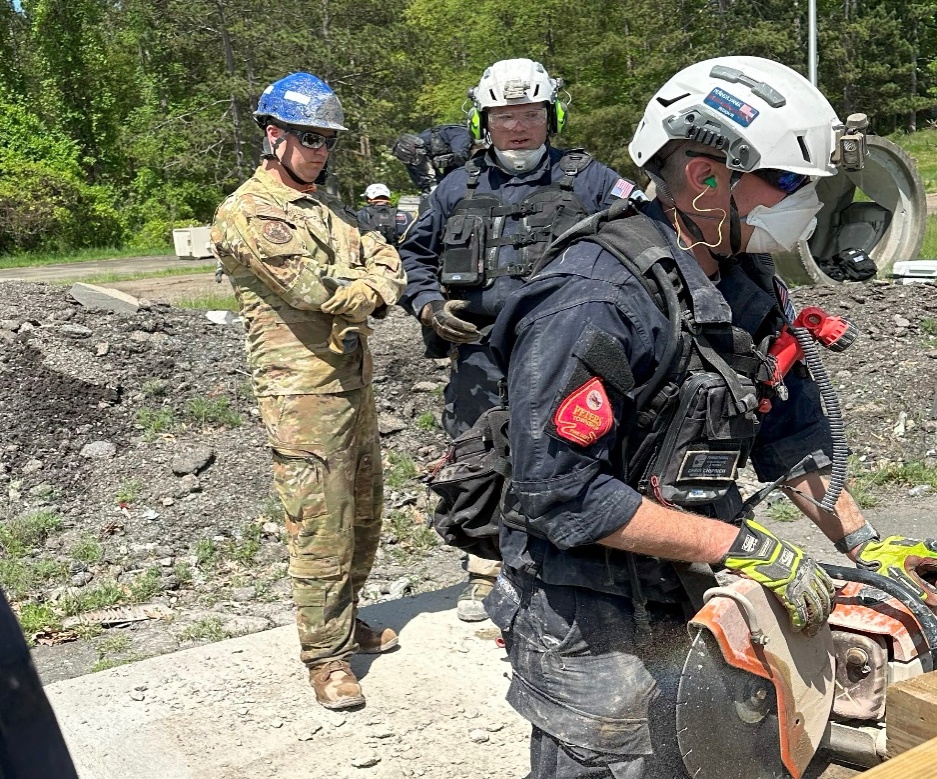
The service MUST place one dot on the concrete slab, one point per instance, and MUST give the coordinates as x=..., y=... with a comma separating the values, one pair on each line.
x=243, y=708
x=93, y=296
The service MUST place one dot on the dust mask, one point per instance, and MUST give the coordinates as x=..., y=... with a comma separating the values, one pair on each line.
x=778, y=228
x=520, y=160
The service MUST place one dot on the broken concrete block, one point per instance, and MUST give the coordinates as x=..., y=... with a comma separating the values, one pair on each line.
x=93, y=296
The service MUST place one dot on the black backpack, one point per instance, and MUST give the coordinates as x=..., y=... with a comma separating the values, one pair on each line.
x=383, y=218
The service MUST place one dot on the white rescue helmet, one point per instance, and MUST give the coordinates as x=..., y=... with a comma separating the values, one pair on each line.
x=515, y=82
x=376, y=190
x=759, y=113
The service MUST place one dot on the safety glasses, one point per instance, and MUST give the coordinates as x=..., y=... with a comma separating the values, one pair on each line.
x=313, y=140
x=784, y=180
x=534, y=118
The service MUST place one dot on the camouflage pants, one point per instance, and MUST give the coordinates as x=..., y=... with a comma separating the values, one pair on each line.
x=327, y=473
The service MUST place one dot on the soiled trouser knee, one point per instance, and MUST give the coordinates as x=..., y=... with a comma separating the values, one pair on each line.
x=327, y=473
x=552, y=759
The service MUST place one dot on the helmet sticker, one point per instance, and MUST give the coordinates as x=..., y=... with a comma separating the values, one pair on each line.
x=296, y=97
x=277, y=232
x=729, y=105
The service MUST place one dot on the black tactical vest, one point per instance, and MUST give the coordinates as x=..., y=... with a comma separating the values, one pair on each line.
x=383, y=218
x=697, y=417
x=473, y=235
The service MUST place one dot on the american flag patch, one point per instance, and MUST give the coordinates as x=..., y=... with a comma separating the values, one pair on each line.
x=622, y=189
x=784, y=299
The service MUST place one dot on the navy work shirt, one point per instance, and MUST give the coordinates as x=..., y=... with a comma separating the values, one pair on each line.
x=368, y=218
x=571, y=493
x=594, y=187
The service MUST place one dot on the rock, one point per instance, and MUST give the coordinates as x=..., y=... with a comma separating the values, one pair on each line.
x=365, y=761
x=307, y=731
x=243, y=594
x=95, y=297
x=80, y=579
x=137, y=695
x=168, y=501
x=478, y=736
x=277, y=723
x=75, y=331
x=187, y=485
x=32, y=466
x=102, y=348
x=424, y=386
x=192, y=460
x=11, y=325
x=222, y=317
x=387, y=424
x=900, y=321
x=99, y=450
x=920, y=489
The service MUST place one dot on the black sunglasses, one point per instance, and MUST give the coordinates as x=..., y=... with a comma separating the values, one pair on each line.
x=784, y=180
x=313, y=140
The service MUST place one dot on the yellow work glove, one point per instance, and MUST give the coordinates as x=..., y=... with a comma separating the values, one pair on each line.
x=797, y=581
x=355, y=301
x=905, y=560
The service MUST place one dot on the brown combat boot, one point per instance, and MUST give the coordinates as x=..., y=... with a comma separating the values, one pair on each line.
x=373, y=641
x=336, y=685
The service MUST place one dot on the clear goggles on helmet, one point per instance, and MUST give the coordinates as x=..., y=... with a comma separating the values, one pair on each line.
x=784, y=180
x=536, y=117
x=311, y=139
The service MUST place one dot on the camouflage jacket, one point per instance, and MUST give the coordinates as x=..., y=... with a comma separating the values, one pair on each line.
x=277, y=244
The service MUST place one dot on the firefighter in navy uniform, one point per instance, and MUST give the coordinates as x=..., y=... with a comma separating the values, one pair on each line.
x=735, y=146
x=380, y=215
x=487, y=223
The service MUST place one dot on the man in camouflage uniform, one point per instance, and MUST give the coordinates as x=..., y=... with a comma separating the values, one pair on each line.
x=307, y=280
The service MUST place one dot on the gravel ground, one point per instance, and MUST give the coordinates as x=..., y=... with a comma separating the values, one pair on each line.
x=138, y=436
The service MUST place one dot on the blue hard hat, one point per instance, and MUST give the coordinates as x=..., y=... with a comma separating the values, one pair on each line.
x=300, y=100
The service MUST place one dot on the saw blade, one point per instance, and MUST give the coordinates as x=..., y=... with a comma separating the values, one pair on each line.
x=727, y=723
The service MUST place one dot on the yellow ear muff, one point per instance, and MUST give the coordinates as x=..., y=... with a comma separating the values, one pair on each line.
x=559, y=120
x=475, y=124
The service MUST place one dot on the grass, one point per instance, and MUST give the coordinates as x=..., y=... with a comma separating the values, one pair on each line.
x=110, y=278
x=272, y=510
x=183, y=573
x=38, y=258
x=21, y=576
x=155, y=421
x=244, y=549
x=213, y=302
x=38, y=618
x=206, y=553
x=426, y=421
x=20, y=535
x=209, y=629
x=929, y=247
x=921, y=145
x=783, y=511
x=145, y=586
x=87, y=550
x=215, y=411
x=129, y=491
x=412, y=537
x=154, y=388
x=400, y=470
x=104, y=594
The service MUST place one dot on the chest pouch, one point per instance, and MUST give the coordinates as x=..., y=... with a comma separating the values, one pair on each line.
x=465, y=241
x=708, y=438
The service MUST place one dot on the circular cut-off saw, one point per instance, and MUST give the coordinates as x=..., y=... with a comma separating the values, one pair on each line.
x=757, y=700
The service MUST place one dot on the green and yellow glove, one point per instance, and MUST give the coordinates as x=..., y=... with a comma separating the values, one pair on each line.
x=798, y=582
x=906, y=560
x=355, y=301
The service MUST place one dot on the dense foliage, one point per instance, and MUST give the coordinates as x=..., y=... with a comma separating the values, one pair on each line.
x=121, y=120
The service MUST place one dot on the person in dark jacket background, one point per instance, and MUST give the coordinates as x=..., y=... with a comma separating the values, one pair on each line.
x=486, y=225
x=380, y=215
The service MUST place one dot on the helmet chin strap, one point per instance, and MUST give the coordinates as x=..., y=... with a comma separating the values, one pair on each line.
x=289, y=171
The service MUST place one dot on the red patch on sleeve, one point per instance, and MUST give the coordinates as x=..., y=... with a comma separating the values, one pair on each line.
x=584, y=416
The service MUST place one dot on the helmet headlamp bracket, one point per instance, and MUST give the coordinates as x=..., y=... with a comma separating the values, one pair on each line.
x=851, y=148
